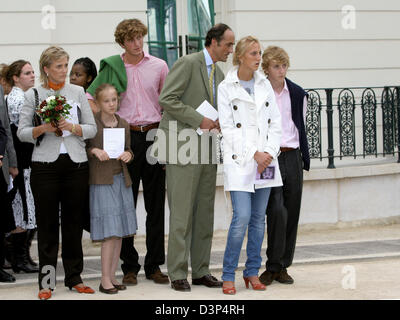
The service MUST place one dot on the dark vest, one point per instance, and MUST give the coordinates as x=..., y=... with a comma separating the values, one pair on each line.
x=297, y=98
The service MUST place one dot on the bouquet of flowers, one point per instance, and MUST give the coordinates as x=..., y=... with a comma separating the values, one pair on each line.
x=52, y=109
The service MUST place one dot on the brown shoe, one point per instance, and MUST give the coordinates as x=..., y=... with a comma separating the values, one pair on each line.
x=158, y=277
x=208, y=281
x=283, y=277
x=180, y=285
x=130, y=279
x=267, y=277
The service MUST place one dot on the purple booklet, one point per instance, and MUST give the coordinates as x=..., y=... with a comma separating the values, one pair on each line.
x=267, y=174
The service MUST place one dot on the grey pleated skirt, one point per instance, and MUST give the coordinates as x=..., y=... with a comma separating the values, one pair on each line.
x=112, y=210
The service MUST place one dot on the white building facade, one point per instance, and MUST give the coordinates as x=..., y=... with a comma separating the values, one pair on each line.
x=331, y=43
x=337, y=43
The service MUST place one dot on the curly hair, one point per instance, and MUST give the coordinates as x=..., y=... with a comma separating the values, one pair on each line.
x=128, y=29
x=274, y=54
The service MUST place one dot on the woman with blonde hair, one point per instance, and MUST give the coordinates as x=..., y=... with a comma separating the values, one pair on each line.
x=59, y=171
x=251, y=128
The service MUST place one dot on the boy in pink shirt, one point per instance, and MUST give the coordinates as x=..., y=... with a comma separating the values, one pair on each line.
x=284, y=204
x=139, y=78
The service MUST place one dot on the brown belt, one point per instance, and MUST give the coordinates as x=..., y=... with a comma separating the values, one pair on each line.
x=145, y=128
x=284, y=149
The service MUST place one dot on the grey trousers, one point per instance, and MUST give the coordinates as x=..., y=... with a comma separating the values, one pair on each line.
x=283, y=212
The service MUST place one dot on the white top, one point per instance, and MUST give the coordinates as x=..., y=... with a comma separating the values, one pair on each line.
x=15, y=101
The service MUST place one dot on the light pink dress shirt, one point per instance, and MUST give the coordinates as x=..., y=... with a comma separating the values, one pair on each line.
x=290, y=134
x=139, y=103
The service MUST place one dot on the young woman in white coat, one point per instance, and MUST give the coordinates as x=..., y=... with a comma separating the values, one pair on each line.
x=251, y=128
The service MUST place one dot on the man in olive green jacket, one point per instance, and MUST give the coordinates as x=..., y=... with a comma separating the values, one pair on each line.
x=191, y=175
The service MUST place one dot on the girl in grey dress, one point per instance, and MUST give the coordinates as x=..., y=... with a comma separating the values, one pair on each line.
x=112, y=211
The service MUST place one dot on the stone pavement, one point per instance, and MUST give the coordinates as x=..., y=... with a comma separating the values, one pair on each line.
x=335, y=263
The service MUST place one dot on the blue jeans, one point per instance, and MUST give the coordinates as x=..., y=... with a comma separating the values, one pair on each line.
x=248, y=213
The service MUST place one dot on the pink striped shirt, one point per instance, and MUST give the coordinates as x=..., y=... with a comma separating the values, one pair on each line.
x=139, y=103
x=290, y=134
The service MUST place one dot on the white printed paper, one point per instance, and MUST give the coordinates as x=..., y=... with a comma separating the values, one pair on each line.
x=208, y=111
x=114, y=141
x=72, y=117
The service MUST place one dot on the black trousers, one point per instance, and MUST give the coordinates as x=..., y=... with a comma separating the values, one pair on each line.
x=60, y=182
x=153, y=180
x=283, y=212
x=7, y=222
x=24, y=155
x=6, y=215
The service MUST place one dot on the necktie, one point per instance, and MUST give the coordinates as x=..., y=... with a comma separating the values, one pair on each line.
x=211, y=83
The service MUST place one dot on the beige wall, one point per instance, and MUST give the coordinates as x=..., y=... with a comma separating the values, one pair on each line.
x=323, y=54
x=83, y=28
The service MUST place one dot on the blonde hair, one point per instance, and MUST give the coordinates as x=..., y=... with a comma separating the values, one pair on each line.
x=101, y=88
x=241, y=48
x=47, y=57
x=274, y=54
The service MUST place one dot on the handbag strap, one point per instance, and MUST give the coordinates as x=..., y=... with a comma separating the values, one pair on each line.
x=36, y=97
x=36, y=118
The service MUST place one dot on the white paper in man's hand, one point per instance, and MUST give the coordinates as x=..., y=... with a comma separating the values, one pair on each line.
x=208, y=111
x=114, y=141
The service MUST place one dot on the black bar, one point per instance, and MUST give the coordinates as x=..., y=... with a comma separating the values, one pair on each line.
x=180, y=46
x=398, y=123
x=329, y=112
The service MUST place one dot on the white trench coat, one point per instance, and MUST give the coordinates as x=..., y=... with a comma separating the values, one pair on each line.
x=238, y=141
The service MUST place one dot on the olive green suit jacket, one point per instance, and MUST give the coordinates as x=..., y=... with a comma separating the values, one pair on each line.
x=186, y=87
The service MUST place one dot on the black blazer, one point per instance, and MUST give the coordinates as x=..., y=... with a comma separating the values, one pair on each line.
x=10, y=157
x=3, y=139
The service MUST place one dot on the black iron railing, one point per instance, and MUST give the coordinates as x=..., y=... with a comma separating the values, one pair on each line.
x=353, y=122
